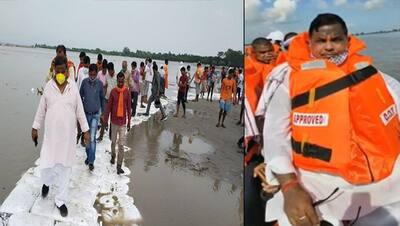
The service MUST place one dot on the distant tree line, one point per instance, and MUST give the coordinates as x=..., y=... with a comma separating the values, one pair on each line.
x=377, y=32
x=228, y=58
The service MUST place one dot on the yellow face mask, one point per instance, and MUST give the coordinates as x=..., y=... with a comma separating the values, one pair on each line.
x=60, y=78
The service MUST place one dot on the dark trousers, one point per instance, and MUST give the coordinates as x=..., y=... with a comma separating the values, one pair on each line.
x=181, y=99
x=210, y=89
x=134, y=96
x=149, y=101
x=103, y=125
x=254, y=205
x=238, y=92
x=186, y=93
x=162, y=86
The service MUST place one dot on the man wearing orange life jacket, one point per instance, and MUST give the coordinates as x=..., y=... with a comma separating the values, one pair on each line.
x=248, y=51
x=257, y=66
x=331, y=127
x=166, y=74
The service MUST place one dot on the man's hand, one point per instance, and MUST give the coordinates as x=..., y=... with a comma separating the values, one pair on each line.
x=259, y=171
x=86, y=137
x=298, y=207
x=35, y=136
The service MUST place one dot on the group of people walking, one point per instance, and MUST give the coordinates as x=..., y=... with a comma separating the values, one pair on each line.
x=76, y=100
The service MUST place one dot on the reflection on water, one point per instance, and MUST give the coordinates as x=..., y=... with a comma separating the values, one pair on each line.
x=172, y=180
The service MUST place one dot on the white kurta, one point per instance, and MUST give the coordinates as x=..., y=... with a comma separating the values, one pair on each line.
x=276, y=108
x=82, y=74
x=59, y=112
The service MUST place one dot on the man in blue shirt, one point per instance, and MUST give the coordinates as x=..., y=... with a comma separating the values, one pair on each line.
x=92, y=95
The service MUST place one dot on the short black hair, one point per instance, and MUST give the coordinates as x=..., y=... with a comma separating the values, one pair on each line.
x=261, y=41
x=166, y=62
x=188, y=67
x=120, y=74
x=149, y=60
x=59, y=60
x=110, y=66
x=93, y=67
x=206, y=68
x=289, y=35
x=198, y=64
x=231, y=71
x=326, y=19
x=183, y=69
x=86, y=60
x=104, y=64
x=62, y=48
x=142, y=64
x=155, y=67
x=240, y=70
x=99, y=57
x=82, y=54
x=134, y=64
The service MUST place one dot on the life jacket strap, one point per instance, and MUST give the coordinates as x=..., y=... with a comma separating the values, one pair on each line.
x=309, y=150
x=344, y=82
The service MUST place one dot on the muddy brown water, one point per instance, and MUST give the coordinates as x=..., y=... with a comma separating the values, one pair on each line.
x=172, y=183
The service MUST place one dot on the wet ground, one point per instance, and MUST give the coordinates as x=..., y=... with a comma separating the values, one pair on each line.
x=187, y=171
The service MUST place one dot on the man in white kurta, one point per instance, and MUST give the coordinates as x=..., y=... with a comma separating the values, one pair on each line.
x=59, y=109
x=371, y=204
x=275, y=106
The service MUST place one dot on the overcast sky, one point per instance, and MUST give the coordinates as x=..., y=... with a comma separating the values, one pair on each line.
x=264, y=16
x=201, y=27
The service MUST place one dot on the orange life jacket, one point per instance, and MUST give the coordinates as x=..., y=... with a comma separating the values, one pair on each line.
x=255, y=76
x=165, y=76
x=344, y=120
x=248, y=50
x=281, y=58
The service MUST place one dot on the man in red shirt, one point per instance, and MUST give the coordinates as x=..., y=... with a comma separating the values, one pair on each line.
x=183, y=80
x=119, y=106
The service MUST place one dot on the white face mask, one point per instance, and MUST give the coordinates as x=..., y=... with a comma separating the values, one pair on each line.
x=339, y=59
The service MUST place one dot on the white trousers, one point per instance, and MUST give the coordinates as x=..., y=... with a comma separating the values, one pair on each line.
x=58, y=175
